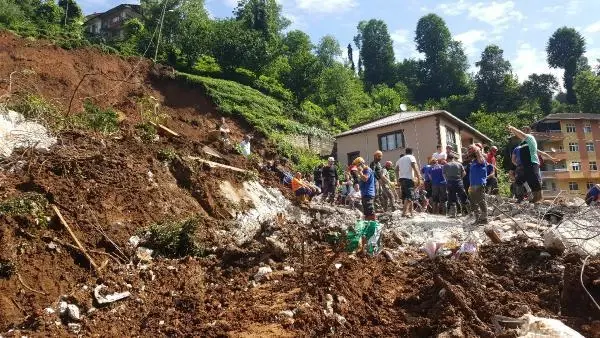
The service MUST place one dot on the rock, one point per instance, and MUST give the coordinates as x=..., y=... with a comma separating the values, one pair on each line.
x=263, y=273
x=451, y=333
x=49, y=310
x=340, y=319
x=74, y=327
x=287, y=313
x=144, y=254
x=338, y=266
x=545, y=254
x=442, y=293
x=134, y=241
x=73, y=312
x=62, y=307
x=101, y=299
x=277, y=247
x=554, y=241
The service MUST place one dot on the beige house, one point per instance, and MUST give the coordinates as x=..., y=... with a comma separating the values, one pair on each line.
x=420, y=130
x=111, y=23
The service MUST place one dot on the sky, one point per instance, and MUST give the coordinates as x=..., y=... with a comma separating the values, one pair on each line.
x=521, y=28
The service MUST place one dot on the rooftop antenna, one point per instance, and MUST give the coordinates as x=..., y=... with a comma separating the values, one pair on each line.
x=403, y=107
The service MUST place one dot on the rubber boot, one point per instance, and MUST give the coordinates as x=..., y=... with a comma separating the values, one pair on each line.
x=443, y=209
x=452, y=213
x=537, y=197
x=465, y=209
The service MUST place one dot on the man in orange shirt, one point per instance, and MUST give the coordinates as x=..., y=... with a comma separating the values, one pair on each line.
x=301, y=189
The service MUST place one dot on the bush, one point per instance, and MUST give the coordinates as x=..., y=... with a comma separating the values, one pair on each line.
x=147, y=132
x=167, y=154
x=272, y=87
x=244, y=76
x=104, y=120
x=27, y=205
x=37, y=108
x=174, y=238
x=207, y=65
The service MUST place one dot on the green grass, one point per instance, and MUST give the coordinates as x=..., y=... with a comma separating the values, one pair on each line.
x=28, y=204
x=174, y=238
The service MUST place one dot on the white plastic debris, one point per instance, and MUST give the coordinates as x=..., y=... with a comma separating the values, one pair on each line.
x=134, y=241
x=101, y=299
x=263, y=272
x=338, y=266
x=16, y=132
x=144, y=254
x=74, y=327
x=73, y=312
x=287, y=313
x=49, y=310
x=536, y=327
x=62, y=307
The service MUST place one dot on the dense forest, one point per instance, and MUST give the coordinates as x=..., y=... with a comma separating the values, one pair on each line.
x=318, y=80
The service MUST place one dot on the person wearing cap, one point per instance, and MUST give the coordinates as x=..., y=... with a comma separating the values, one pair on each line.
x=406, y=170
x=330, y=180
x=478, y=179
x=367, y=188
x=454, y=173
x=387, y=195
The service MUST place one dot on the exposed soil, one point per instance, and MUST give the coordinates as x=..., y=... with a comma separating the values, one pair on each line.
x=110, y=187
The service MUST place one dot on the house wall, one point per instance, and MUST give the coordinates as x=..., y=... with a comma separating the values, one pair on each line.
x=94, y=23
x=420, y=134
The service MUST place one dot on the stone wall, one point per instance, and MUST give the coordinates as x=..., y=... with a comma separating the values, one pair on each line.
x=319, y=145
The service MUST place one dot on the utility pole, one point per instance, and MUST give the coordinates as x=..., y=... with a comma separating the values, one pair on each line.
x=66, y=12
x=162, y=19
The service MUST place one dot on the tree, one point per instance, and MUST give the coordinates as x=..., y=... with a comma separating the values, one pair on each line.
x=235, y=46
x=72, y=9
x=376, y=52
x=327, y=50
x=48, y=13
x=195, y=28
x=540, y=88
x=432, y=37
x=262, y=15
x=490, y=79
x=304, y=67
x=564, y=49
x=351, y=57
x=386, y=99
x=10, y=13
x=587, y=89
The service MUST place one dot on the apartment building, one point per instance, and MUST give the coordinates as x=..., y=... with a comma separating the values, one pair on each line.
x=110, y=24
x=574, y=139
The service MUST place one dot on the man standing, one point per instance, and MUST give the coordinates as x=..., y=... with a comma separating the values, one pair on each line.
x=492, y=181
x=406, y=169
x=425, y=171
x=454, y=173
x=477, y=179
x=318, y=174
x=532, y=165
x=440, y=154
x=438, y=188
x=376, y=167
x=330, y=180
x=387, y=196
x=367, y=188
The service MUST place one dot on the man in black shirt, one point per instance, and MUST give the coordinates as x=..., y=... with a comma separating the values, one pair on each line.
x=318, y=174
x=330, y=180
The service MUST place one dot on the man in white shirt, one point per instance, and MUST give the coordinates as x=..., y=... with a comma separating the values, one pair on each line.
x=406, y=170
x=440, y=154
x=245, y=146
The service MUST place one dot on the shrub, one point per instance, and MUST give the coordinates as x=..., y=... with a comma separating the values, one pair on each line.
x=207, y=65
x=167, y=154
x=244, y=76
x=272, y=87
x=104, y=120
x=37, y=108
x=147, y=132
x=174, y=238
x=28, y=204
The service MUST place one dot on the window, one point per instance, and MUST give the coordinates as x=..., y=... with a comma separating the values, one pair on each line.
x=589, y=185
x=576, y=166
x=587, y=128
x=115, y=19
x=573, y=186
x=391, y=141
x=593, y=166
x=589, y=146
x=560, y=148
x=571, y=127
x=573, y=146
x=451, y=138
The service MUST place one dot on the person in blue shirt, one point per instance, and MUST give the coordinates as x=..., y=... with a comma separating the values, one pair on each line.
x=477, y=181
x=367, y=188
x=593, y=195
x=425, y=171
x=439, y=194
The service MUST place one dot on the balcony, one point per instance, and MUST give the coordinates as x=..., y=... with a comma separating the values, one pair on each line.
x=556, y=173
x=559, y=155
x=550, y=135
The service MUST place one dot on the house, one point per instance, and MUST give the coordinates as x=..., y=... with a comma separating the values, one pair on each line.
x=110, y=24
x=420, y=130
x=573, y=139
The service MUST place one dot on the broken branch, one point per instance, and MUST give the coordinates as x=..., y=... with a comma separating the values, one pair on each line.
x=83, y=250
x=27, y=287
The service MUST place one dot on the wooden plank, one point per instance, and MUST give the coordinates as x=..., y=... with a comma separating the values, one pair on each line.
x=165, y=129
x=217, y=165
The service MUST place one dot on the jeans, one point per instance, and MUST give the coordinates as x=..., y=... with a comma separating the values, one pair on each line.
x=439, y=194
x=456, y=192
x=387, y=197
x=478, y=202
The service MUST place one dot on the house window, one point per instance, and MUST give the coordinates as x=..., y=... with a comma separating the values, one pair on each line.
x=573, y=186
x=587, y=128
x=573, y=146
x=589, y=146
x=352, y=156
x=391, y=141
x=593, y=166
x=576, y=166
x=571, y=127
x=451, y=138
x=589, y=185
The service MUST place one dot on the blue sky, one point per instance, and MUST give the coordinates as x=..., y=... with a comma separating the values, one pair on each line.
x=521, y=27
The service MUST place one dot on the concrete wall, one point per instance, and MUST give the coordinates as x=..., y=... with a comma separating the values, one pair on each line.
x=321, y=146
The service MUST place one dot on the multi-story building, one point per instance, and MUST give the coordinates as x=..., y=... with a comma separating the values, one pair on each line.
x=573, y=139
x=110, y=24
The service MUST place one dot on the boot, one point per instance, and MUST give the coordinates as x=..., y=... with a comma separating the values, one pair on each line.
x=465, y=209
x=443, y=209
x=537, y=196
x=452, y=213
x=435, y=208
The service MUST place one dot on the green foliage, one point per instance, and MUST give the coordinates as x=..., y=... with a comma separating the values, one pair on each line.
x=539, y=88
x=494, y=125
x=564, y=49
x=587, y=89
x=207, y=66
x=264, y=16
x=244, y=76
x=37, y=108
x=27, y=205
x=432, y=36
x=493, y=80
x=147, y=132
x=386, y=99
x=7, y=268
x=174, y=239
x=149, y=108
x=328, y=50
x=167, y=154
x=272, y=87
x=234, y=46
x=72, y=9
x=104, y=120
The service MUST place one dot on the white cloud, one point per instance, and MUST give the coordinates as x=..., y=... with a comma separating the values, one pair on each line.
x=593, y=28
x=403, y=45
x=470, y=38
x=543, y=25
x=453, y=9
x=573, y=7
x=496, y=14
x=400, y=36
x=551, y=9
x=530, y=60
x=326, y=6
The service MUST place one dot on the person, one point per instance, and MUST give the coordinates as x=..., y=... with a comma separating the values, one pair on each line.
x=438, y=188
x=377, y=168
x=223, y=128
x=330, y=179
x=478, y=180
x=593, y=195
x=318, y=174
x=245, y=146
x=454, y=173
x=367, y=188
x=439, y=154
x=406, y=169
x=492, y=182
x=425, y=171
x=387, y=196
x=531, y=166
x=491, y=156
x=303, y=191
